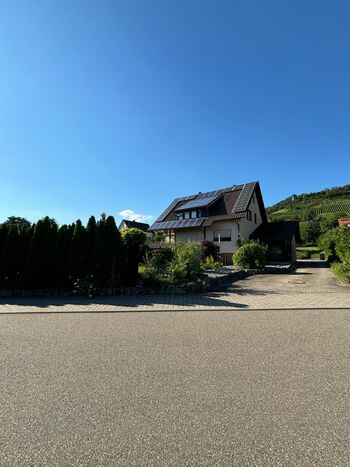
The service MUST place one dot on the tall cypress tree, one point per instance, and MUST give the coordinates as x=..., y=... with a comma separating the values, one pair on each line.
x=10, y=261
x=62, y=262
x=77, y=251
x=90, y=247
x=108, y=252
x=41, y=253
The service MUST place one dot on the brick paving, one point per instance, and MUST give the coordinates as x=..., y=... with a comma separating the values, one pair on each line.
x=312, y=286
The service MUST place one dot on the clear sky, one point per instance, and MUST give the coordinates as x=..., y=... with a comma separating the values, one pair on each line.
x=114, y=105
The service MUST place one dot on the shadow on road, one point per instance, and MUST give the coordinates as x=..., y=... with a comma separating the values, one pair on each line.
x=134, y=301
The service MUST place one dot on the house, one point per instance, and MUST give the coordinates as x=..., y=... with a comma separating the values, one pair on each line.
x=126, y=224
x=344, y=221
x=221, y=216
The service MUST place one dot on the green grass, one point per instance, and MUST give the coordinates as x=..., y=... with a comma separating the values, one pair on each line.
x=308, y=252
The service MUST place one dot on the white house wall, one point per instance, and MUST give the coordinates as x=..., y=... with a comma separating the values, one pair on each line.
x=247, y=227
x=186, y=235
x=225, y=247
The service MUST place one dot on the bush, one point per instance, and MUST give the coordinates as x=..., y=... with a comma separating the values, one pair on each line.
x=327, y=243
x=210, y=263
x=158, y=261
x=172, y=264
x=250, y=256
x=210, y=249
x=342, y=270
x=303, y=254
x=343, y=244
x=186, y=264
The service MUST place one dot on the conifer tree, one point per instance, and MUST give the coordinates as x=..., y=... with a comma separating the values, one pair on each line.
x=77, y=251
x=41, y=253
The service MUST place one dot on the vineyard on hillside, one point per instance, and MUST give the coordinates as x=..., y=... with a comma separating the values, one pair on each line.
x=330, y=202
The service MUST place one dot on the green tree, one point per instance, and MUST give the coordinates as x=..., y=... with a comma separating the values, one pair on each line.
x=108, y=252
x=21, y=223
x=310, y=231
x=62, y=256
x=78, y=251
x=41, y=253
x=329, y=222
x=10, y=259
x=133, y=240
x=90, y=247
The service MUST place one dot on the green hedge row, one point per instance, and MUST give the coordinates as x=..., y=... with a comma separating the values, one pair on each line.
x=44, y=255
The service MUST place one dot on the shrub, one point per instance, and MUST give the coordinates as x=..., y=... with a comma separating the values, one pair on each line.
x=210, y=263
x=303, y=254
x=210, y=249
x=343, y=244
x=158, y=261
x=186, y=264
x=151, y=278
x=342, y=270
x=327, y=243
x=250, y=256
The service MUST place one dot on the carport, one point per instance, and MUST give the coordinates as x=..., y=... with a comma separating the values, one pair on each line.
x=281, y=238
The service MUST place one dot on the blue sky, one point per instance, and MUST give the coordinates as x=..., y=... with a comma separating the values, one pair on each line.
x=125, y=104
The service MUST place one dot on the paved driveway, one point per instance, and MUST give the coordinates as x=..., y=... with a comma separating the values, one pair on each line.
x=262, y=389
x=313, y=285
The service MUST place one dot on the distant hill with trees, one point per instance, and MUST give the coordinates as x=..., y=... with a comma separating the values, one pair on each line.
x=329, y=203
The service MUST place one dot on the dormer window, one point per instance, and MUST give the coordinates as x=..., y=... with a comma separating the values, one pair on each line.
x=195, y=214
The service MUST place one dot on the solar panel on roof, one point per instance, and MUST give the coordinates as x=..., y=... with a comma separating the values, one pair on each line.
x=198, y=203
x=181, y=224
x=244, y=197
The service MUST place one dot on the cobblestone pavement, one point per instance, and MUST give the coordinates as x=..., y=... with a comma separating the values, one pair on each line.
x=313, y=285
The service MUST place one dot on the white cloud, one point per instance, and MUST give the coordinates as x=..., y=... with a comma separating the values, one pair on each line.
x=131, y=215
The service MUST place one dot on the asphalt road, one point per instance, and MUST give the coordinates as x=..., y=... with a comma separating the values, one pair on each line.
x=241, y=388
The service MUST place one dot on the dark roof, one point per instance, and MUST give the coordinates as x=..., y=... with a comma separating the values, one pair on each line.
x=223, y=204
x=136, y=225
x=276, y=231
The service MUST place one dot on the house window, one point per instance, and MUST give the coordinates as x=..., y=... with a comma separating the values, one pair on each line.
x=255, y=217
x=195, y=214
x=187, y=215
x=222, y=235
x=253, y=199
x=180, y=215
x=249, y=215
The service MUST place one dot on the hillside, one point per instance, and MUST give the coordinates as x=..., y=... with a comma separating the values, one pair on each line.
x=302, y=207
